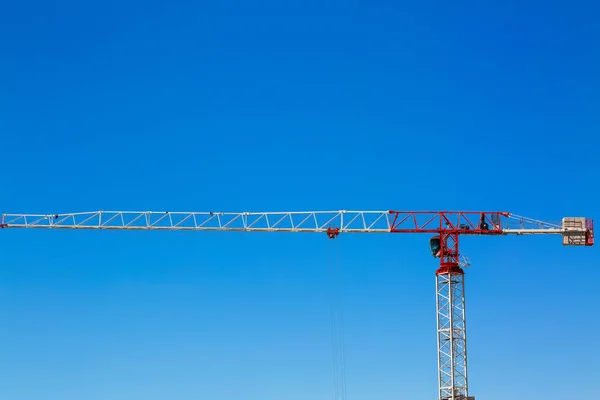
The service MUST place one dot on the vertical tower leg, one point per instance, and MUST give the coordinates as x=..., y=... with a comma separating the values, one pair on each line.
x=451, y=324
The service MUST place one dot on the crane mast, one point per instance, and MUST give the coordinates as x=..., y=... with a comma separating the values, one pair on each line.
x=446, y=226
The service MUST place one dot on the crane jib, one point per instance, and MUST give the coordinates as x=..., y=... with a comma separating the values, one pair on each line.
x=575, y=231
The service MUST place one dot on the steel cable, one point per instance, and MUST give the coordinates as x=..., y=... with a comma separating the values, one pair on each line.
x=337, y=321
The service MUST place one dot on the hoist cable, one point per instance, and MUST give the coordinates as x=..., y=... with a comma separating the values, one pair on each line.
x=337, y=321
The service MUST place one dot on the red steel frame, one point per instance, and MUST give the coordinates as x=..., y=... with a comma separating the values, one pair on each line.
x=459, y=222
x=589, y=235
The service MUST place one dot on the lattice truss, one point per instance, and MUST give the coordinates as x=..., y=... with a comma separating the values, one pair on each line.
x=310, y=221
x=314, y=221
x=452, y=349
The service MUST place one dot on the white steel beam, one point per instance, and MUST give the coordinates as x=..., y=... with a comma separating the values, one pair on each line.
x=311, y=221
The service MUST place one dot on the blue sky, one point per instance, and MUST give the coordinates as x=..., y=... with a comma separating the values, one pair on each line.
x=308, y=105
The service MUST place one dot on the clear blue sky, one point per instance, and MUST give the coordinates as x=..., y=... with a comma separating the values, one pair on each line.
x=292, y=105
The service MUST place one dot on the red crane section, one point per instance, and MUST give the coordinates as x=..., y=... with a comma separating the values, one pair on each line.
x=461, y=222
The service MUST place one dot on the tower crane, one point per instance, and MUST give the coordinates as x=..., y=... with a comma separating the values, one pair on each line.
x=445, y=226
